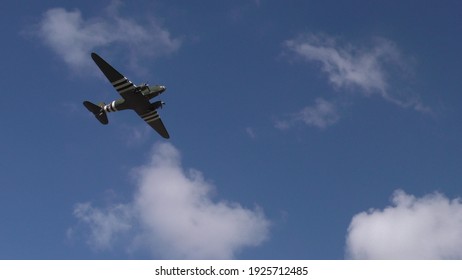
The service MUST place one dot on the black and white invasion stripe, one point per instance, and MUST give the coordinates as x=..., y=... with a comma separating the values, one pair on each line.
x=110, y=107
x=123, y=85
x=150, y=117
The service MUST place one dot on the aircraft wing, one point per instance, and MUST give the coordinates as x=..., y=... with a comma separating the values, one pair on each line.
x=118, y=81
x=153, y=119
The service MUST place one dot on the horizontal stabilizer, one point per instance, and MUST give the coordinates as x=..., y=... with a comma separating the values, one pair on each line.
x=97, y=111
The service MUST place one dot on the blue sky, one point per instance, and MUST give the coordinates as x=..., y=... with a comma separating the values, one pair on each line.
x=299, y=130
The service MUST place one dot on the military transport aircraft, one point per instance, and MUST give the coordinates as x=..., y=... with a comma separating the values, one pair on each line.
x=133, y=97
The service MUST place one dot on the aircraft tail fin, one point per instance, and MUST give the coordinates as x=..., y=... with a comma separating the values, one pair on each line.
x=98, y=111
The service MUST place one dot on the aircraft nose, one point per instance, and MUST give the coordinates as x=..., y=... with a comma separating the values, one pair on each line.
x=163, y=88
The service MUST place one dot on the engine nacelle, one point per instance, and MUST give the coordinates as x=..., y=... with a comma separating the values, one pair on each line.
x=151, y=91
x=158, y=104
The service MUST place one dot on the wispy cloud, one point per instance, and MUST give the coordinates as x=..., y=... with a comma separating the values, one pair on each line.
x=106, y=224
x=429, y=227
x=251, y=132
x=322, y=114
x=174, y=215
x=370, y=69
x=73, y=37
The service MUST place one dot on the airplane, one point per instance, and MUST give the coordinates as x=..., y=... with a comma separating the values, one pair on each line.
x=133, y=97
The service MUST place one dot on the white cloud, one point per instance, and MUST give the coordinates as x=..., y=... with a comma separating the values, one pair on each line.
x=369, y=69
x=73, y=37
x=322, y=114
x=411, y=228
x=174, y=215
x=106, y=225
